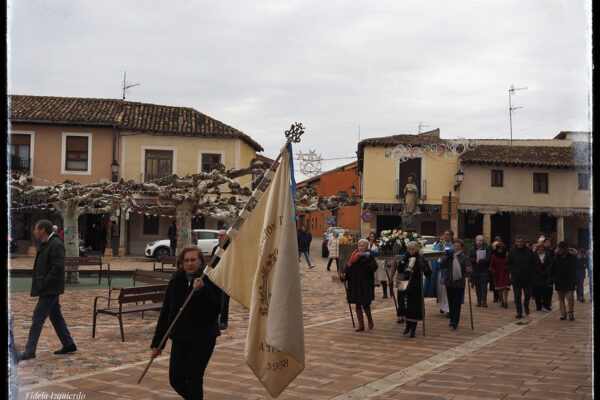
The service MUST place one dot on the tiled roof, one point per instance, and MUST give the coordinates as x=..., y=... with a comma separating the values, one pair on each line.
x=426, y=138
x=128, y=116
x=537, y=156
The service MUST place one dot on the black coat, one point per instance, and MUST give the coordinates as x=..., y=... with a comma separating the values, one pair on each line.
x=172, y=232
x=361, y=280
x=582, y=266
x=414, y=290
x=542, y=273
x=480, y=273
x=49, y=268
x=520, y=264
x=304, y=239
x=199, y=319
x=564, y=271
x=447, y=264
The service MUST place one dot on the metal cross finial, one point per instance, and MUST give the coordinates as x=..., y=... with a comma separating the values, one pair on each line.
x=294, y=133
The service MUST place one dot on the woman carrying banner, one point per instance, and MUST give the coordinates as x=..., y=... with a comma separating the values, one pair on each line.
x=413, y=291
x=194, y=335
x=359, y=272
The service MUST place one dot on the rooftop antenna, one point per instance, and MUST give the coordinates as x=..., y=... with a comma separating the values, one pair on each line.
x=127, y=85
x=511, y=93
x=421, y=126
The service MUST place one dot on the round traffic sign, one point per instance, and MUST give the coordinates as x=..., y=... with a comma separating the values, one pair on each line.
x=367, y=216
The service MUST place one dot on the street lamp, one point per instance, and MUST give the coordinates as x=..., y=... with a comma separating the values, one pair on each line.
x=114, y=167
x=353, y=189
x=460, y=176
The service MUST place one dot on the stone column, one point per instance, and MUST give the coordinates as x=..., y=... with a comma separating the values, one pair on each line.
x=122, y=233
x=487, y=227
x=454, y=225
x=560, y=229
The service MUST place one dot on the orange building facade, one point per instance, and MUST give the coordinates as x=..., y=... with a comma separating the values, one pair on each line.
x=341, y=179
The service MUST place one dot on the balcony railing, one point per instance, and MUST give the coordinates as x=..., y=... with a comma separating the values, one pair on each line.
x=20, y=164
x=153, y=177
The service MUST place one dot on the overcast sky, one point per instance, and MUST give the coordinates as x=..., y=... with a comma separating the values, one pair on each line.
x=335, y=66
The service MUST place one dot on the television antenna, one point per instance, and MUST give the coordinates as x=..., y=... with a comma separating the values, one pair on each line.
x=127, y=85
x=421, y=126
x=511, y=109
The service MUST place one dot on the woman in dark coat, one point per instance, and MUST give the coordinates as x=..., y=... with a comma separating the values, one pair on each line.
x=499, y=273
x=412, y=300
x=582, y=266
x=194, y=335
x=360, y=273
x=541, y=281
x=456, y=265
x=480, y=256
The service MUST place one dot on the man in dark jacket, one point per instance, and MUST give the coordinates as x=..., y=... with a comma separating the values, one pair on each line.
x=48, y=283
x=520, y=265
x=479, y=257
x=304, y=239
x=564, y=275
x=172, y=235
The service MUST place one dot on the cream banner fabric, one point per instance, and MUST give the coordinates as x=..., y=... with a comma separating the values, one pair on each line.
x=260, y=270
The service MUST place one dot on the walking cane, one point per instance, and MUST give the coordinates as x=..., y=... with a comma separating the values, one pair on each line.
x=470, y=306
x=349, y=306
x=423, y=301
x=392, y=291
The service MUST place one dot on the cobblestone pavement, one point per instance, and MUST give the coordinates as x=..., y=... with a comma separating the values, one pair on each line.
x=544, y=358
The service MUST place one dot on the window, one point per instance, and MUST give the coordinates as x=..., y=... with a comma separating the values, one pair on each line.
x=76, y=153
x=159, y=163
x=497, y=177
x=210, y=161
x=206, y=235
x=150, y=225
x=583, y=181
x=540, y=183
x=19, y=149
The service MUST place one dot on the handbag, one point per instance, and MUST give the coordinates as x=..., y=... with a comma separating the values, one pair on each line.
x=403, y=284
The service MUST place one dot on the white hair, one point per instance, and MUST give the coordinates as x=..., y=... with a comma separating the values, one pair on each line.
x=479, y=236
x=364, y=240
x=414, y=244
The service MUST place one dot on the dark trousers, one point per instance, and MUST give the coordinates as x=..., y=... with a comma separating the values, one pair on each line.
x=225, y=310
x=188, y=362
x=173, y=245
x=47, y=306
x=493, y=290
x=401, y=297
x=337, y=263
x=517, y=290
x=481, y=292
x=454, y=300
x=542, y=295
x=580, y=288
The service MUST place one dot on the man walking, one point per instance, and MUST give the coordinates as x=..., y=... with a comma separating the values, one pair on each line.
x=520, y=265
x=564, y=275
x=48, y=283
x=172, y=235
x=224, y=317
x=304, y=239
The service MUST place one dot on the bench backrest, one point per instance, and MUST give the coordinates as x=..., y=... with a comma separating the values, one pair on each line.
x=169, y=262
x=152, y=277
x=134, y=294
x=76, y=261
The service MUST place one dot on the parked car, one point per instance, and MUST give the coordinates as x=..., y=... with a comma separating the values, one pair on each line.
x=328, y=234
x=206, y=239
x=429, y=241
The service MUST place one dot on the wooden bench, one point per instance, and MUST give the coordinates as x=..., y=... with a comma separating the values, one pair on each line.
x=88, y=261
x=152, y=277
x=170, y=261
x=127, y=303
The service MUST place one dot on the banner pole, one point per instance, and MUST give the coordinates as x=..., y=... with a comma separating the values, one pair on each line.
x=237, y=224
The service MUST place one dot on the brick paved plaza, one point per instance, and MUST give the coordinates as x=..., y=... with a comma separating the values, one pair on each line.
x=545, y=358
